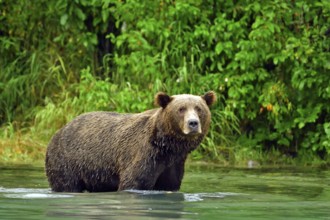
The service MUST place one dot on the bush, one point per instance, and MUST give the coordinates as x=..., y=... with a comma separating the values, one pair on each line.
x=267, y=61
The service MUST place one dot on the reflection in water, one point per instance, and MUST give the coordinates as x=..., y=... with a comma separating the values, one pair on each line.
x=133, y=204
x=127, y=205
x=207, y=193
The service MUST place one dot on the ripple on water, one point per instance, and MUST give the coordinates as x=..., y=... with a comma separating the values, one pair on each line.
x=195, y=197
x=189, y=197
x=25, y=193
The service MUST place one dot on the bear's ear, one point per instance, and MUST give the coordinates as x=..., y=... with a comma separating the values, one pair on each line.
x=209, y=98
x=162, y=99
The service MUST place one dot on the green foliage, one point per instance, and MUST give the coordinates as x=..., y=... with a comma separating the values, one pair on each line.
x=294, y=50
x=87, y=95
x=267, y=61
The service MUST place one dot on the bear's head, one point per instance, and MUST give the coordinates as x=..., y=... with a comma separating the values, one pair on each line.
x=185, y=115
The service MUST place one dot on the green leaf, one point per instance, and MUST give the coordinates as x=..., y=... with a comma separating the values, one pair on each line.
x=233, y=92
x=64, y=19
x=93, y=39
x=256, y=7
x=326, y=127
x=80, y=14
x=301, y=125
x=219, y=48
x=284, y=141
x=105, y=15
x=259, y=21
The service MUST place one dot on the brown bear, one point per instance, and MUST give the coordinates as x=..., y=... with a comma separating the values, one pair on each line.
x=105, y=151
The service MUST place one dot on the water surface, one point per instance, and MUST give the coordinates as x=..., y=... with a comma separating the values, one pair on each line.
x=207, y=192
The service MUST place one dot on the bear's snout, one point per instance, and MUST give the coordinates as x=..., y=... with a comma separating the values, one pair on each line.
x=192, y=123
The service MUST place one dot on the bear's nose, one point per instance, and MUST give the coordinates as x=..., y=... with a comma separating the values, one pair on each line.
x=193, y=124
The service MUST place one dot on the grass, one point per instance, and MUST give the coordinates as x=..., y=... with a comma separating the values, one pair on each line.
x=22, y=149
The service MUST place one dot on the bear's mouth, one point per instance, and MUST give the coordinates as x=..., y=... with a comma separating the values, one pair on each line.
x=192, y=126
x=192, y=132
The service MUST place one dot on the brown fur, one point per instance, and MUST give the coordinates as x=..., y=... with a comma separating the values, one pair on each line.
x=103, y=151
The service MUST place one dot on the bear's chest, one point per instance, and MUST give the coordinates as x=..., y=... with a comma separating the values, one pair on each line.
x=167, y=146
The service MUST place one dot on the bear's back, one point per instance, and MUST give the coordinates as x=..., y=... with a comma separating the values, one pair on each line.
x=97, y=132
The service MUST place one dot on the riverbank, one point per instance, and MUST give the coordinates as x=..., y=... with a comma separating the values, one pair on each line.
x=22, y=149
x=28, y=148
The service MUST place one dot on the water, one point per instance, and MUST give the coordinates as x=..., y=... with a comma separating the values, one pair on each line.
x=207, y=193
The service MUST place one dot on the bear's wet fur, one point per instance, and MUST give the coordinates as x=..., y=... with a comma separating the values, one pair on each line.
x=105, y=151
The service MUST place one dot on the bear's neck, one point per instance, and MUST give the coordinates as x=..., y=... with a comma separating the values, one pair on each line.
x=167, y=144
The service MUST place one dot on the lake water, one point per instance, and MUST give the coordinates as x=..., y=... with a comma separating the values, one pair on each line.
x=207, y=192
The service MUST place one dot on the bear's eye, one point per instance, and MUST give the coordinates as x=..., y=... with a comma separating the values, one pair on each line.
x=182, y=109
x=198, y=109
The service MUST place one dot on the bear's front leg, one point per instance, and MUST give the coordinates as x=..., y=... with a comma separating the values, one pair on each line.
x=170, y=179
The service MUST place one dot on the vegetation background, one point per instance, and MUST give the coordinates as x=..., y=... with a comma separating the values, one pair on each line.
x=268, y=61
